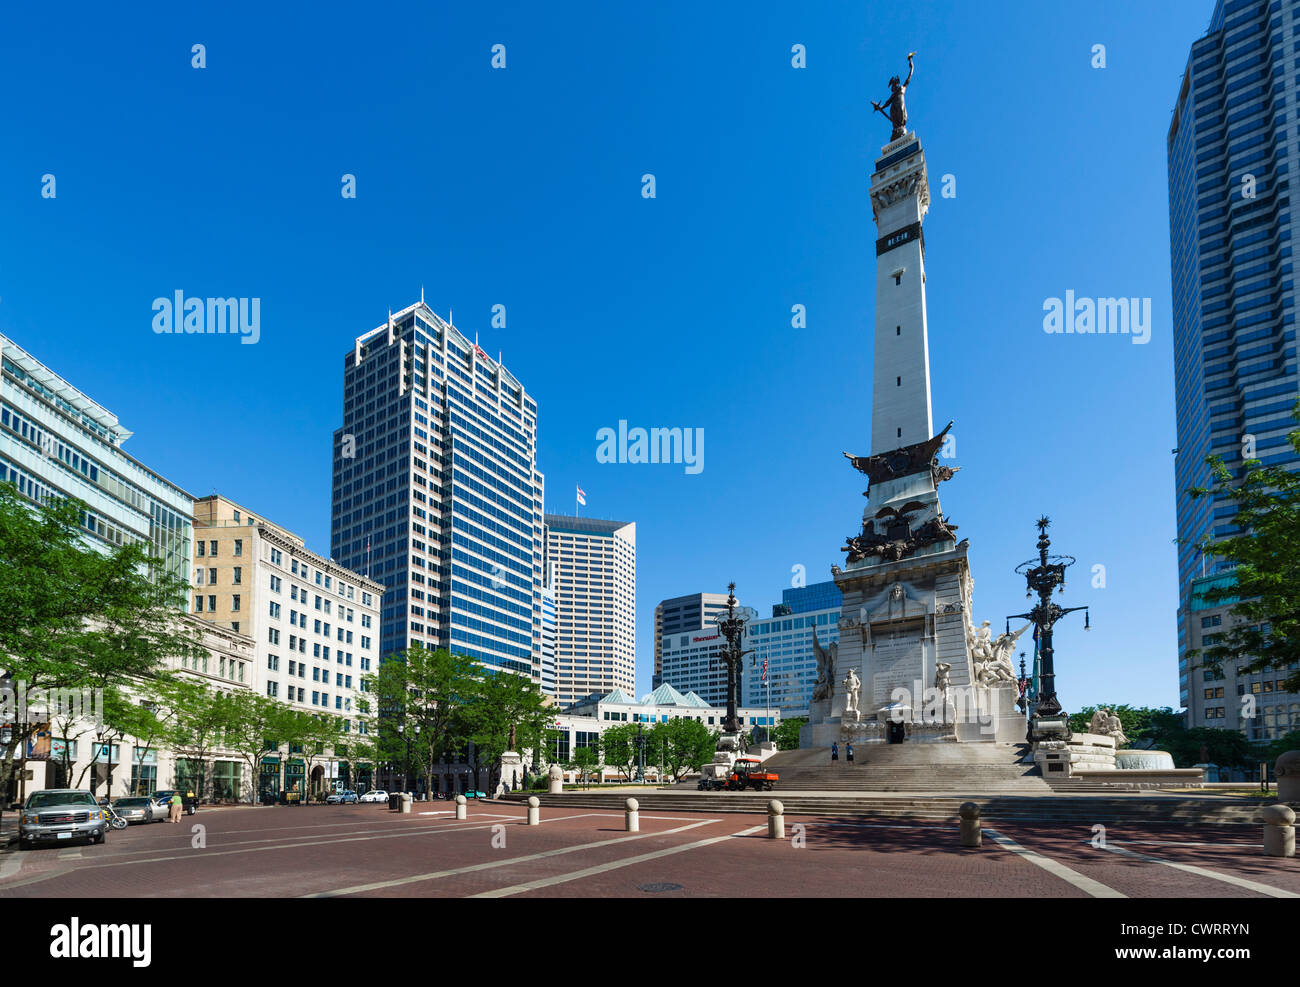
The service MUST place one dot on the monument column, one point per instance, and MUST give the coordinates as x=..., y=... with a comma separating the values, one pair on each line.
x=900, y=198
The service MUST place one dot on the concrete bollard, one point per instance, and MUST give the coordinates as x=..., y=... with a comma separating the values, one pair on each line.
x=971, y=833
x=534, y=811
x=632, y=822
x=406, y=802
x=1279, y=830
x=1287, y=771
x=461, y=811
x=776, y=820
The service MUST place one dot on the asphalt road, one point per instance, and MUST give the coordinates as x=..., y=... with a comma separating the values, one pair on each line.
x=367, y=851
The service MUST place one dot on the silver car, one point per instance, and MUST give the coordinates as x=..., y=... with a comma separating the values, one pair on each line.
x=58, y=815
x=140, y=809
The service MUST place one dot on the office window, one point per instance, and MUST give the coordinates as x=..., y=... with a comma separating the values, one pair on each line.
x=239, y=546
x=238, y=575
x=212, y=604
x=200, y=546
x=234, y=601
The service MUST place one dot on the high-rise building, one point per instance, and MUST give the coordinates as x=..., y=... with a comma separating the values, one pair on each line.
x=785, y=643
x=1232, y=150
x=691, y=655
x=593, y=564
x=437, y=494
x=315, y=625
x=55, y=442
x=684, y=613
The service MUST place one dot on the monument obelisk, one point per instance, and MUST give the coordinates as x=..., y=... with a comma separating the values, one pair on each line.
x=910, y=665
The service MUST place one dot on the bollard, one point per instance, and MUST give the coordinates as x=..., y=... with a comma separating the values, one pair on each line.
x=1279, y=831
x=632, y=822
x=406, y=802
x=971, y=833
x=461, y=811
x=776, y=820
x=534, y=813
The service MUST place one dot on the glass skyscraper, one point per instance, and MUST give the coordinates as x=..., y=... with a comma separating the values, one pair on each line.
x=1232, y=142
x=55, y=442
x=785, y=643
x=437, y=494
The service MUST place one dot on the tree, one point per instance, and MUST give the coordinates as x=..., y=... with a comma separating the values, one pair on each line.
x=1227, y=748
x=687, y=745
x=1264, y=552
x=499, y=703
x=420, y=691
x=359, y=752
x=204, y=719
x=258, y=726
x=619, y=744
x=1287, y=742
x=786, y=733
x=586, y=760
x=74, y=617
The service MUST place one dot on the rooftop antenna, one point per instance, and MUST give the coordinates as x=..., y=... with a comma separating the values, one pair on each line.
x=421, y=294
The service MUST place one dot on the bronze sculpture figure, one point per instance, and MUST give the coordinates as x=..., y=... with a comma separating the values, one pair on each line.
x=897, y=114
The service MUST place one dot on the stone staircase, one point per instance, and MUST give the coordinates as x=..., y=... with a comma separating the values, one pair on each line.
x=950, y=769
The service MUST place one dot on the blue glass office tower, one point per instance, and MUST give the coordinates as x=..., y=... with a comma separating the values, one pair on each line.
x=437, y=493
x=785, y=641
x=1232, y=145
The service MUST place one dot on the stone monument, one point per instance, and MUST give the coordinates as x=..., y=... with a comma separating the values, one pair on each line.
x=906, y=633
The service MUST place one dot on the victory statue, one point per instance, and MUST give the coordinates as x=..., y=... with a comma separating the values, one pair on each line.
x=897, y=114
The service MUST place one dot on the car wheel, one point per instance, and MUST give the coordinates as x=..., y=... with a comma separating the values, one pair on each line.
x=190, y=811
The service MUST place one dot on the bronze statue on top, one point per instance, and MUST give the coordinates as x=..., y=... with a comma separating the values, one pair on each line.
x=897, y=114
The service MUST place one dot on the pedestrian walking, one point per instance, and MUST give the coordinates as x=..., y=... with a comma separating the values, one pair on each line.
x=848, y=752
x=176, y=808
x=835, y=752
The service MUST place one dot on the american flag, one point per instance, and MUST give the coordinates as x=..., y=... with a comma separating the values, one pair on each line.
x=582, y=497
x=764, y=678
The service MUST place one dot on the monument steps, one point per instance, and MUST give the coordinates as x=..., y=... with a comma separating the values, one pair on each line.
x=942, y=768
x=1083, y=810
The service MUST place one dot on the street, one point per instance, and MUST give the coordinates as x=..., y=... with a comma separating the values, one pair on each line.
x=367, y=851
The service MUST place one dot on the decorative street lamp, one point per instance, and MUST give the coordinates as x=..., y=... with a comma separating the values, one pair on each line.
x=731, y=627
x=640, y=754
x=1042, y=575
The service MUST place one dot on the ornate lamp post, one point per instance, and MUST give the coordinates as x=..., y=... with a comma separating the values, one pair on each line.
x=1042, y=575
x=731, y=627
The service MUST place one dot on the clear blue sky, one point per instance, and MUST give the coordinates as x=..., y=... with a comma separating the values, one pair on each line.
x=522, y=187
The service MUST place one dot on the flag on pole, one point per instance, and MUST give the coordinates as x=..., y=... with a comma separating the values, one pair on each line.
x=764, y=678
x=582, y=497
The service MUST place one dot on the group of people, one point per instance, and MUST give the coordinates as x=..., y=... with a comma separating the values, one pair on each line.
x=848, y=752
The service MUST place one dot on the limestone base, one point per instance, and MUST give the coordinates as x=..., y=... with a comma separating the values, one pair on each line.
x=1082, y=752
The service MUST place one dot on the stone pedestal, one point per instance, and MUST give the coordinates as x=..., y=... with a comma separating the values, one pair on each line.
x=1082, y=752
x=512, y=772
x=1209, y=772
x=556, y=777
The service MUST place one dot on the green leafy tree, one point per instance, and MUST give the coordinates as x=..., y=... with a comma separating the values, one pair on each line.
x=687, y=745
x=1265, y=555
x=498, y=704
x=420, y=690
x=75, y=617
x=586, y=760
x=1287, y=742
x=619, y=744
x=258, y=726
x=204, y=720
x=786, y=734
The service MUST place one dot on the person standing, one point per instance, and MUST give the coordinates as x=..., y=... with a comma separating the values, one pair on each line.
x=835, y=751
x=175, y=808
x=848, y=752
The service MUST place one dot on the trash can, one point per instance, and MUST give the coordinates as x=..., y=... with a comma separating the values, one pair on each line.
x=395, y=802
x=406, y=801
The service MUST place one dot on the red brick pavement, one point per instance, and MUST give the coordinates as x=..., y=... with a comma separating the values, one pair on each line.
x=295, y=851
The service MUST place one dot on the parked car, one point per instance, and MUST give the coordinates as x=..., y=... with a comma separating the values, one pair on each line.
x=59, y=814
x=375, y=795
x=341, y=798
x=189, y=800
x=140, y=809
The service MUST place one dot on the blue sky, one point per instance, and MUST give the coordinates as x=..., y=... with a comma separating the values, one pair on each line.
x=522, y=187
